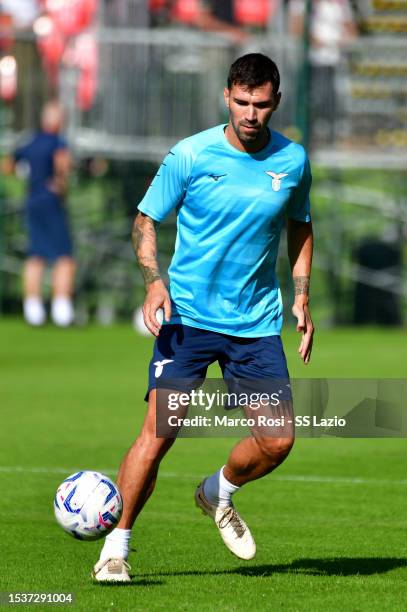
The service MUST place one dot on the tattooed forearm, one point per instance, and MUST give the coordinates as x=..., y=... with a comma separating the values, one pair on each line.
x=301, y=285
x=300, y=245
x=144, y=242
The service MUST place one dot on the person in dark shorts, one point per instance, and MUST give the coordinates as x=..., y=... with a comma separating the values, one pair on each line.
x=233, y=188
x=48, y=164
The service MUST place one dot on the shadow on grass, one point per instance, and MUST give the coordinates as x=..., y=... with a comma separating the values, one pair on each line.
x=136, y=582
x=338, y=566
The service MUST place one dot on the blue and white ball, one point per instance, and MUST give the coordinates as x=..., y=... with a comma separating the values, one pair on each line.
x=88, y=505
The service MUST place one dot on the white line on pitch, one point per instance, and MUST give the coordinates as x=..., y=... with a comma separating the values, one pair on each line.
x=286, y=478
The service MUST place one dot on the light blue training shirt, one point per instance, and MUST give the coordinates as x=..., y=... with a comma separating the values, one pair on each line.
x=230, y=209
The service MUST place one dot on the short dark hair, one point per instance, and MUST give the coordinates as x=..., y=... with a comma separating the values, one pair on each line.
x=253, y=70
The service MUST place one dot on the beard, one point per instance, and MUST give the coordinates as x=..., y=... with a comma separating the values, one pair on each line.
x=247, y=136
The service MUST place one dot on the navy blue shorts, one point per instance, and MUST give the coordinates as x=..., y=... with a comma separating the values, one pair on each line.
x=182, y=355
x=48, y=229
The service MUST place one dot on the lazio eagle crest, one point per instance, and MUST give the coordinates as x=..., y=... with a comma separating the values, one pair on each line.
x=276, y=182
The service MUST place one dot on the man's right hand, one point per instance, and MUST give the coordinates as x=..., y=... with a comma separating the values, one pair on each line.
x=157, y=297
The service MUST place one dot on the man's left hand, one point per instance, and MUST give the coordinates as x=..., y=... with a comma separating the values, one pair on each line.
x=304, y=324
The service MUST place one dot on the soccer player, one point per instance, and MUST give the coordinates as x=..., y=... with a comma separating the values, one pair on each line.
x=233, y=187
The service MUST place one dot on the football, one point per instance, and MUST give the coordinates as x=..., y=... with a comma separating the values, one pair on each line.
x=138, y=321
x=88, y=505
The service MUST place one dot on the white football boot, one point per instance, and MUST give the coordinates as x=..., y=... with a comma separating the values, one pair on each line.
x=111, y=570
x=232, y=528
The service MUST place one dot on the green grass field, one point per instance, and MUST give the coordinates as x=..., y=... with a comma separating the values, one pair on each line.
x=330, y=524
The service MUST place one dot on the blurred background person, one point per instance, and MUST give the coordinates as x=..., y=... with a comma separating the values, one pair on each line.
x=48, y=164
x=332, y=28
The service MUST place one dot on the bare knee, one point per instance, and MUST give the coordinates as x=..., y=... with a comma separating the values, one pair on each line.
x=275, y=449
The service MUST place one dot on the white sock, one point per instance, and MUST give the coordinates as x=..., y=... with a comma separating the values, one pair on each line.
x=34, y=311
x=218, y=490
x=62, y=312
x=116, y=545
